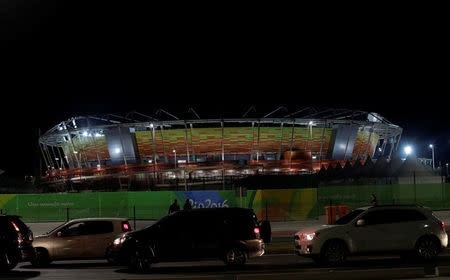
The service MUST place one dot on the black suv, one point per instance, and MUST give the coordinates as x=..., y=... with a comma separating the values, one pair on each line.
x=230, y=234
x=15, y=242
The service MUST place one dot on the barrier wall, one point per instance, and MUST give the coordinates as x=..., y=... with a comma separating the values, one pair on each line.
x=288, y=204
x=280, y=204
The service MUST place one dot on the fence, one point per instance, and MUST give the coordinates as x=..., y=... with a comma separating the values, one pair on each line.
x=271, y=204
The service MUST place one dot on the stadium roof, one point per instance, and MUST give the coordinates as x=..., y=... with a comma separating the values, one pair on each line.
x=163, y=118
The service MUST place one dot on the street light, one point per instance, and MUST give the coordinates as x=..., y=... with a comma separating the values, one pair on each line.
x=408, y=150
x=432, y=153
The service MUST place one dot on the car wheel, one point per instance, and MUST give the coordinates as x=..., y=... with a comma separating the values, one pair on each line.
x=109, y=257
x=8, y=261
x=427, y=248
x=334, y=253
x=235, y=256
x=140, y=261
x=41, y=258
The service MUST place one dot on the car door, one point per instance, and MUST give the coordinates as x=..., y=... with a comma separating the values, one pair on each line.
x=205, y=235
x=170, y=239
x=99, y=235
x=69, y=241
x=379, y=232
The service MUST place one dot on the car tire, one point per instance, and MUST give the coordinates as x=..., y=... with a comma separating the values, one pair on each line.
x=235, y=256
x=8, y=261
x=41, y=258
x=140, y=261
x=109, y=257
x=334, y=253
x=427, y=248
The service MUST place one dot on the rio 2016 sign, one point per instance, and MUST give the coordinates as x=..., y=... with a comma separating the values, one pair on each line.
x=205, y=199
x=208, y=203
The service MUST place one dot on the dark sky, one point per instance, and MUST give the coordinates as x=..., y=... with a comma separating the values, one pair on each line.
x=61, y=61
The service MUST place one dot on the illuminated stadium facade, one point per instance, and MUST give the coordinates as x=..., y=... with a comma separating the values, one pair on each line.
x=155, y=150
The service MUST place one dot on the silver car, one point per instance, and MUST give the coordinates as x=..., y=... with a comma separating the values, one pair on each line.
x=375, y=229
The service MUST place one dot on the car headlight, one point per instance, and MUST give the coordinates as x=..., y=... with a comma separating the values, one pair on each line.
x=119, y=240
x=309, y=236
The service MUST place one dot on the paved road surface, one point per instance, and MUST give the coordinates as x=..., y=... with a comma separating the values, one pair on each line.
x=279, y=267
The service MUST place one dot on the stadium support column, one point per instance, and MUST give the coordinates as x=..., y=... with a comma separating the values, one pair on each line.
x=155, y=172
x=162, y=140
x=94, y=141
x=292, y=144
x=281, y=142
x=321, y=143
x=311, y=146
x=368, y=141
x=44, y=156
x=257, y=151
x=192, y=145
x=392, y=147
x=54, y=156
x=73, y=145
x=186, y=140
x=398, y=142
x=384, y=146
x=348, y=140
x=61, y=157
x=121, y=144
x=253, y=141
x=223, y=156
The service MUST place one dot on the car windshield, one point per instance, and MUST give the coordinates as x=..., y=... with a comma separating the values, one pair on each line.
x=349, y=217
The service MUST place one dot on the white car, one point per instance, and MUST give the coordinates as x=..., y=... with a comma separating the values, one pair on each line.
x=374, y=229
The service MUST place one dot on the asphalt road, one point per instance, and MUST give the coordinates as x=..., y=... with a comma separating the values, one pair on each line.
x=281, y=266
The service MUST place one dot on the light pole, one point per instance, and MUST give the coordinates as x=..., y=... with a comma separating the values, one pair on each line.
x=432, y=153
x=175, y=152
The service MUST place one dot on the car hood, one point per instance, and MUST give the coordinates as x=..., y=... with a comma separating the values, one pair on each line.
x=316, y=229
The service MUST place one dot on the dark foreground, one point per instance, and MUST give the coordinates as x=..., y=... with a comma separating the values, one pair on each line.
x=282, y=266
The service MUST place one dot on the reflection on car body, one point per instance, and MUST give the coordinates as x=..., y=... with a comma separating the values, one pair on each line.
x=78, y=239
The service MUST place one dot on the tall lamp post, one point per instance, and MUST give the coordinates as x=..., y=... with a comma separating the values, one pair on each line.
x=175, y=152
x=432, y=153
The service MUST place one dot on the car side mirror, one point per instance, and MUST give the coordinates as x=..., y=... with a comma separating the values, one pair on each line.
x=360, y=223
x=59, y=234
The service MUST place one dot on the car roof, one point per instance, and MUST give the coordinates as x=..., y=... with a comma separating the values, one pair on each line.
x=97, y=220
x=216, y=210
x=395, y=206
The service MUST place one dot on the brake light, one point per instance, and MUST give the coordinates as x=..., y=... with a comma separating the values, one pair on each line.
x=442, y=224
x=19, y=234
x=256, y=231
x=15, y=227
x=125, y=227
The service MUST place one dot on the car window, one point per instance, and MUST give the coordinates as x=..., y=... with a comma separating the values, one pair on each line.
x=390, y=216
x=99, y=227
x=75, y=229
x=349, y=217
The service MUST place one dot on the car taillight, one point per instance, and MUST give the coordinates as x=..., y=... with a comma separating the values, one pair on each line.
x=256, y=231
x=15, y=227
x=19, y=234
x=125, y=227
x=442, y=224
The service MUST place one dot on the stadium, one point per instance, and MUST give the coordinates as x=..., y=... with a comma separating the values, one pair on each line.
x=145, y=151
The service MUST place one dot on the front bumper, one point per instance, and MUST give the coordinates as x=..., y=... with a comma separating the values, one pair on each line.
x=27, y=253
x=255, y=248
x=305, y=247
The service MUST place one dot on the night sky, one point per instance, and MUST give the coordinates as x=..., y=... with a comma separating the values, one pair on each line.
x=60, y=61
